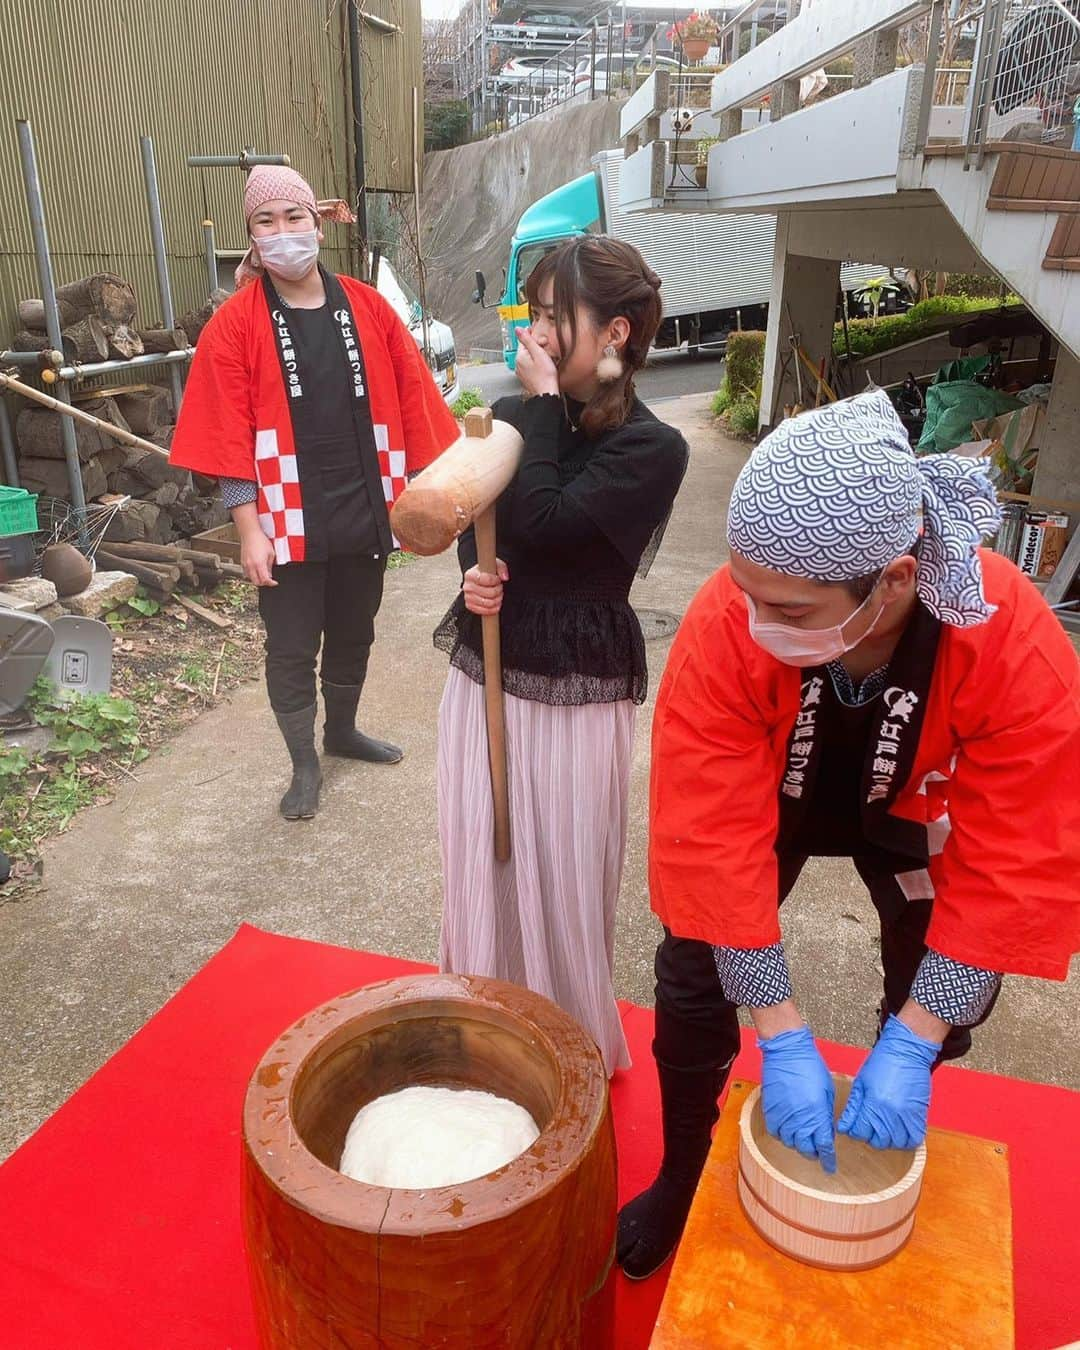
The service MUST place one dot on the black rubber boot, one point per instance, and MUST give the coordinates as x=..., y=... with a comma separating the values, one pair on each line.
x=651, y=1225
x=340, y=736
x=302, y=799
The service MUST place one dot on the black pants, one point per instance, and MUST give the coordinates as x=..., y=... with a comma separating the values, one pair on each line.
x=688, y=986
x=333, y=603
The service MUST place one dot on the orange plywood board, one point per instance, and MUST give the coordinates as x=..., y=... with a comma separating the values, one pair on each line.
x=950, y=1288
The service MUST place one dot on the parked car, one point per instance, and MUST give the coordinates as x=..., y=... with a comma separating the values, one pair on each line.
x=618, y=69
x=539, y=70
x=441, y=352
x=533, y=27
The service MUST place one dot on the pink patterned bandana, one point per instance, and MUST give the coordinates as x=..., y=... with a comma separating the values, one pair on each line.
x=275, y=182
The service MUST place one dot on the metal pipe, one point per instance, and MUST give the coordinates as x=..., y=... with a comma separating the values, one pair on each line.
x=7, y=446
x=161, y=266
x=356, y=82
x=1066, y=14
x=608, y=73
x=483, y=64
x=211, y=256
x=245, y=160
x=36, y=208
x=31, y=359
x=92, y=368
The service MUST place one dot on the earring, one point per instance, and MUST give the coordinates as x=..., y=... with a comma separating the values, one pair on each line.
x=610, y=366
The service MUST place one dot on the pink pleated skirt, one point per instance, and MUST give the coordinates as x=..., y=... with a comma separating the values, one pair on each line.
x=546, y=918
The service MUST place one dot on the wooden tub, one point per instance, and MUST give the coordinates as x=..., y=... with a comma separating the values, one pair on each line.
x=856, y=1218
x=519, y=1258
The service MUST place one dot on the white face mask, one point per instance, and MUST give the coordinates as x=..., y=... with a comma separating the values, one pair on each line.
x=290, y=254
x=807, y=646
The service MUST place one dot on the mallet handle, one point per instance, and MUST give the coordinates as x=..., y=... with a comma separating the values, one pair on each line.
x=484, y=527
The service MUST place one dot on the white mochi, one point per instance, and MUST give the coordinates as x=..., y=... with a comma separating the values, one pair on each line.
x=423, y=1137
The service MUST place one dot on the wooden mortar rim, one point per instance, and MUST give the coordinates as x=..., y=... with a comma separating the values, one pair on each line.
x=331, y=1197
x=912, y=1177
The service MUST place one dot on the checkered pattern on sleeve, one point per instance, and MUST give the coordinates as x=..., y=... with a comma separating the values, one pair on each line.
x=391, y=465
x=280, y=510
x=754, y=977
x=237, y=492
x=953, y=991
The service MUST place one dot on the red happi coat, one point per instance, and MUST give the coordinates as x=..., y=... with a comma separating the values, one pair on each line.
x=995, y=782
x=235, y=422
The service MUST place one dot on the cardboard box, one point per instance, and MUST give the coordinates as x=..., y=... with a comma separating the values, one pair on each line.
x=1055, y=530
x=1042, y=542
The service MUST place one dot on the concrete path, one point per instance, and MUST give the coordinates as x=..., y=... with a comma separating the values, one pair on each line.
x=139, y=893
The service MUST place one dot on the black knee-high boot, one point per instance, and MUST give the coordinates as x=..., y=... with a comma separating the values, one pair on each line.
x=340, y=736
x=692, y=1064
x=302, y=799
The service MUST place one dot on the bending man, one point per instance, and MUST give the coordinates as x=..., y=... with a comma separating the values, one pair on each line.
x=861, y=681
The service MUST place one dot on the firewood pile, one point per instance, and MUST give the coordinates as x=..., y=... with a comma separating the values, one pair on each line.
x=168, y=572
x=97, y=316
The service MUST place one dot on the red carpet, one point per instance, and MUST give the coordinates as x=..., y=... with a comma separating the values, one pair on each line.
x=120, y=1217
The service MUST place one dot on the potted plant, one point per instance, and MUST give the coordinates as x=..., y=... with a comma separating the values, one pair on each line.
x=701, y=168
x=695, y=35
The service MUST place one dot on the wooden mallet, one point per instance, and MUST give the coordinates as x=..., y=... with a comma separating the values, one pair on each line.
x=458, y=490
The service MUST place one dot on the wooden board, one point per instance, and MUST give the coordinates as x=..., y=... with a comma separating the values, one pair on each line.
x=950, y=1287
x=222, y=540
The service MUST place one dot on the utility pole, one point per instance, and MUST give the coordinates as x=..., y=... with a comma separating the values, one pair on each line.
x=356, y=80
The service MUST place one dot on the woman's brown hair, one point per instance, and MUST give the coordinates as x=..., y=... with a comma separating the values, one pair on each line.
x=610, y=279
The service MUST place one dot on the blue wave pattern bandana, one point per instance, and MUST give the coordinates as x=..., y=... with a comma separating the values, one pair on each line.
x=838, y=493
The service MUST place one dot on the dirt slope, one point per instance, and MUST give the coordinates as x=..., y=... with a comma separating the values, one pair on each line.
x=473, y=196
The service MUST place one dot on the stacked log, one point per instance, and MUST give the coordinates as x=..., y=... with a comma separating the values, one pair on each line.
x=109, y=297
x=98, y=321
x=146, y=411
x=194, y=322
x=165, y=570
x=108, y=304
x=124, y=342
x=163, y=339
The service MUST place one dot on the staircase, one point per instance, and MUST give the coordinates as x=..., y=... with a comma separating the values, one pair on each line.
x=1046, y=179
x=1021, y=210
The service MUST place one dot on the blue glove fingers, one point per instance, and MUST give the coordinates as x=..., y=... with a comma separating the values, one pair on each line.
x=851, y=1110
x=882, y=1137
x=826, y=1148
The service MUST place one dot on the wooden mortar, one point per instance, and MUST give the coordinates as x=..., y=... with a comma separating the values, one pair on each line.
x=521, y=1257
x=856, y=1218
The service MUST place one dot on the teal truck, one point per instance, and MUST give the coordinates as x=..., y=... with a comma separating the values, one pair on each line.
x=716, y=268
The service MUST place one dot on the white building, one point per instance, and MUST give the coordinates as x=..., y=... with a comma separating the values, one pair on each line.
x=966, y=168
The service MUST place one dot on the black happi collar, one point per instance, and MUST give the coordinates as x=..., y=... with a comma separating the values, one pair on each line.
x=344, y=322
x=890, y=750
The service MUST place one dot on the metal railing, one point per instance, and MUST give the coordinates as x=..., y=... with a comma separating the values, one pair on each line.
x=755, y=22
x=611, y=60
x=1025, y=79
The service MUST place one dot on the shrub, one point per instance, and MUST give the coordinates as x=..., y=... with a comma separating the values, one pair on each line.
x=973, y=286
x=867, y=338
x=446, y=125
x=468, y=398
x=739, y=394
x=721, y=400
x=743, y=415
x=745, y=362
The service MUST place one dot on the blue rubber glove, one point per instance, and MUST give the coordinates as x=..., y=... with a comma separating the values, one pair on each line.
x=797, y=1095
x=890, y=1097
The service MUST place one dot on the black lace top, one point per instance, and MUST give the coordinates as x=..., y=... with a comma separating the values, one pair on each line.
x=579, y=519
